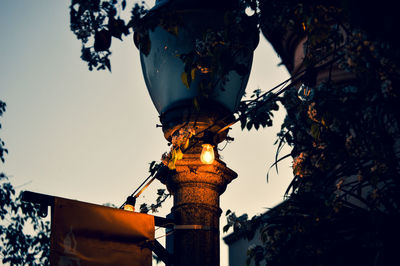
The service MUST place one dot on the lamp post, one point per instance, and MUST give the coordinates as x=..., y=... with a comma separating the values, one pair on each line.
x=196, y=58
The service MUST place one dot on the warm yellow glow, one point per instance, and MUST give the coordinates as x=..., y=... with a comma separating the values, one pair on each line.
x=207, y=154
x=128, y=207
x=304, y=26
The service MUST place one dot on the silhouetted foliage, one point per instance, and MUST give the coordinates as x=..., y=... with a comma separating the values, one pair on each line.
x=3, y=150
x=343, y=203
x=95, y=23
x=17, y=246
x=345, y=135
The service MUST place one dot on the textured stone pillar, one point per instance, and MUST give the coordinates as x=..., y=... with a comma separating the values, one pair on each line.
x=196, y=188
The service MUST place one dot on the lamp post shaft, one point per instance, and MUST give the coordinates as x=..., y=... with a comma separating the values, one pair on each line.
x=196, y=188
x=196, y=71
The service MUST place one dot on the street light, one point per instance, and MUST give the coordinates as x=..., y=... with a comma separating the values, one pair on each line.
x=130, y=204
x=207, y=154
x=196, y=58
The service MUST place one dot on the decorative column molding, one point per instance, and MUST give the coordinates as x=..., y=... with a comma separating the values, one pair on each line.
x=196, y=188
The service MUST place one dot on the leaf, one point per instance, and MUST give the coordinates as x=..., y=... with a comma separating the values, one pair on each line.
x=193, y=73
x=123, y=27
x=144, y=208
x=243, y=121
x=86, y=54
x=315, y=132
x=171, y=165
x=115, y=28
x=282, y=141
x=144, y=44
x=276, y=162
x=293, y=185
x=102, y=40
x=275, y=106
x=186, y=145
x=226, y=228
x=196, y=104
x=249, y=125
x=108, y=64
x=172, y=160
x=323, y=122
x=179, y=154
x=184, y=78
x=152, y=168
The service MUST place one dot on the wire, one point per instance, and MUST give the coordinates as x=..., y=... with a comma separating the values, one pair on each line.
x=226, y=144
x=167, y=234
x=141, y=184
x=281, y=87
x=164, y=226
x=146, y=183
x=197, y=140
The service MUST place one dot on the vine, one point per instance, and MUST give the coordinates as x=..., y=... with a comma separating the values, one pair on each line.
x=345, y=134
x=345, y=139
x=180, y=142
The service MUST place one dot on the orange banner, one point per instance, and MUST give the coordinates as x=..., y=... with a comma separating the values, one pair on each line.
x=89, y=234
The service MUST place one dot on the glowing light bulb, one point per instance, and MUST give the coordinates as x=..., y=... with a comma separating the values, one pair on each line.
x=128, y=207
x=130, y=204
x=305, y=93
x=207, y=154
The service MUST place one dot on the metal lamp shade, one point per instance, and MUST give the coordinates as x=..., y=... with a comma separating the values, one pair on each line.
x=179, y=93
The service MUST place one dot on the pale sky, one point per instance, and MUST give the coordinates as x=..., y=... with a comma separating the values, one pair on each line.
x=90, y=136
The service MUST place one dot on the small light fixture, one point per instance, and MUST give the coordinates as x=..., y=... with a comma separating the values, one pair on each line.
x=305, y=93
x=207, y=154
x=130, y=204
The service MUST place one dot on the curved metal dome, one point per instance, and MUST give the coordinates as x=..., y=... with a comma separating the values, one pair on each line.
x=179, y=94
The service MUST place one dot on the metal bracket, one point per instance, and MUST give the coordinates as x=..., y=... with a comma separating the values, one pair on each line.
x=44, y=201
x=160, y=251
x=193, y=227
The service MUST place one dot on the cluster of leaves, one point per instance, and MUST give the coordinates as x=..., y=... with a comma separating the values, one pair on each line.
x=3, y=150
x=161, y=172
x=162, y=196
x=345, y=129
x=345, y=141
x=94, y=23
x=304, y=231
x=258, y=111
x=237, y=223
x=17, y=246
x=345, y=137
x=216, y=51
x=180, y=142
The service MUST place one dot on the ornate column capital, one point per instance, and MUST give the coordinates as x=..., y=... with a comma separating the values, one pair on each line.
x=190, y=171
x=196, y=188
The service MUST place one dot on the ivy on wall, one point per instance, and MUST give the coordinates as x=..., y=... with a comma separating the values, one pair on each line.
x=344, y=133
x=343, y=203
x=342, y=206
